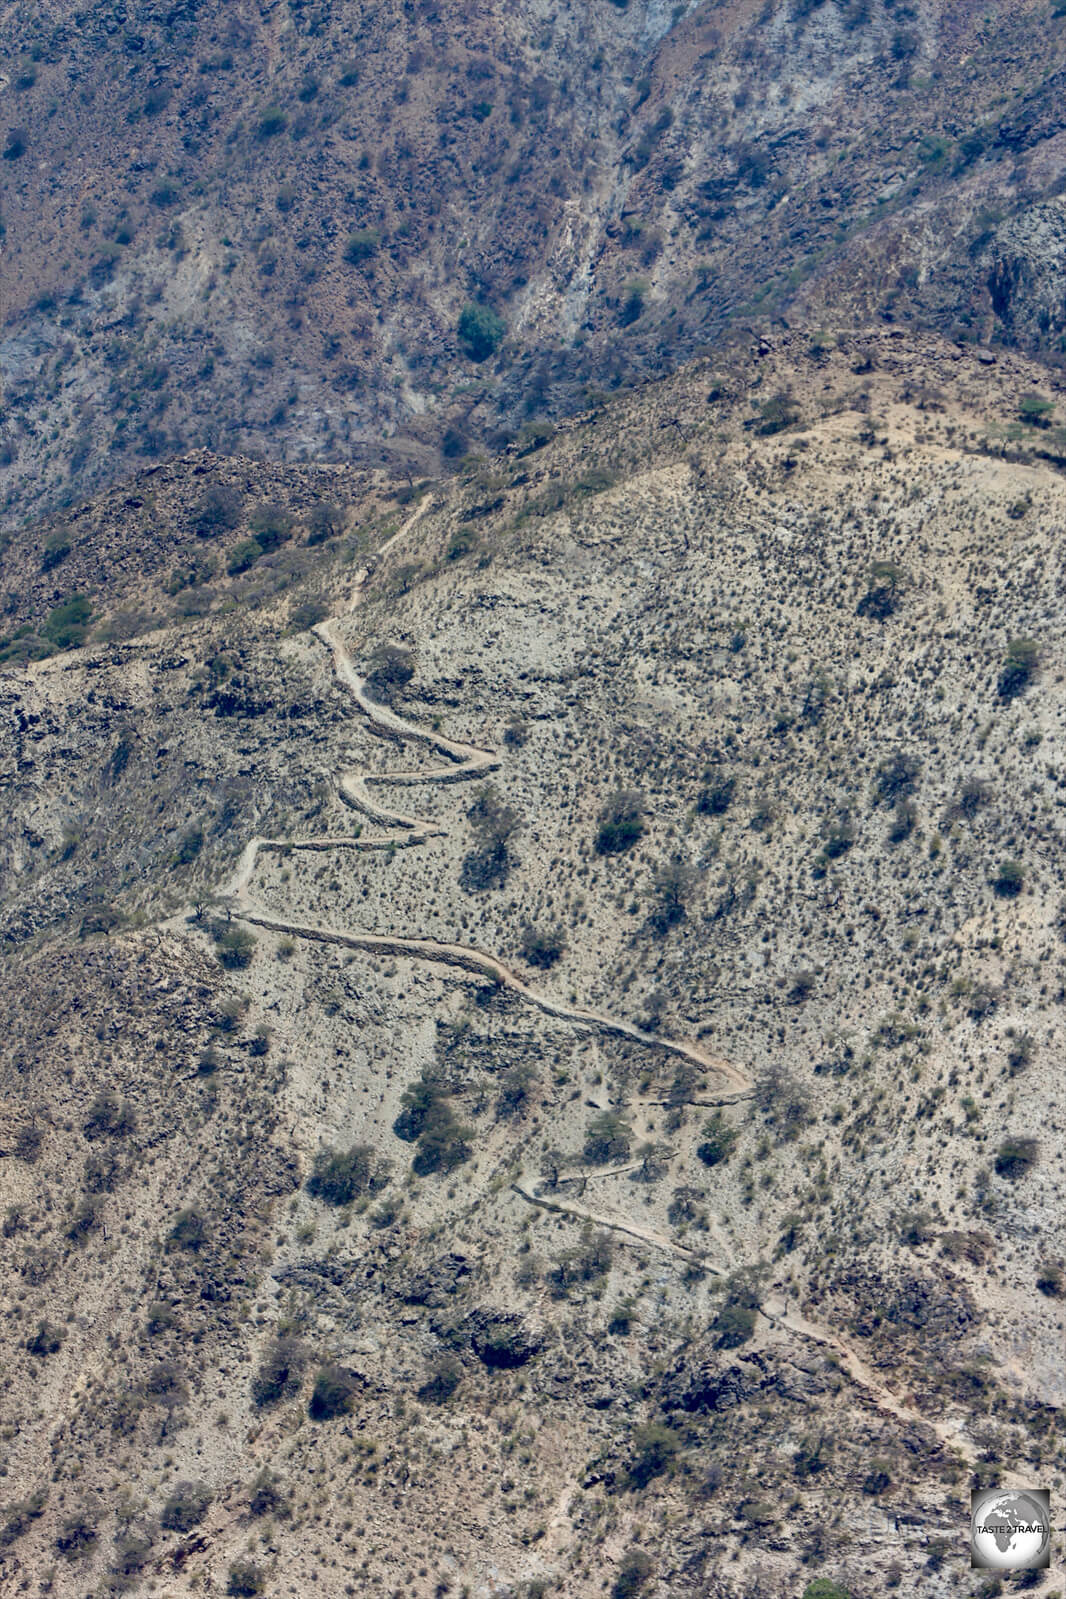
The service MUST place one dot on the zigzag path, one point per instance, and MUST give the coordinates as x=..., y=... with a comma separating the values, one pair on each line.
x=465, y=762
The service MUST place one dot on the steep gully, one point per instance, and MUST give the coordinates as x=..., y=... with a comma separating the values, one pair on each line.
x=465, y=762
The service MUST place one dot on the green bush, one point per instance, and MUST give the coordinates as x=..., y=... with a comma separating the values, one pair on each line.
x=236, y=946
x=1019, y=667
x=334, y=1393
x=391, y=669
x=655, y=1447
x=245, y=1580
x=362, y=246
x=1036, y=410
x=1009, y=879
x=717, y=1140
x=621, y=822
x=636, y=1566
x=607, y=1138
x=56, y=549
x=442, y=1382
x=481, y=331
x=271, y=525
x=243, y=556
x=339, y=1177
x=278, y=1376
x=271, y=123
x=822, y=1588
x=218, y=512
x=68, y=623
x=1016, y=1157
x=186, y=1506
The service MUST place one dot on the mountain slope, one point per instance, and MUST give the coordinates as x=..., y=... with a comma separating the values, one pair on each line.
x=259, y=229
x=716, y=1250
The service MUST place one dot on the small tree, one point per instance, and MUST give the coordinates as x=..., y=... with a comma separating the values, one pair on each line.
x=236, y=945
x=634, y=1571
x=897, y=777
x=218, y=512
x=245, y=1580
x=542, y=948
x=1036, y=410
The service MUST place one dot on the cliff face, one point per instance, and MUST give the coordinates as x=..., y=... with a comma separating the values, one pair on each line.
x=258, y=228
x=531, y=1004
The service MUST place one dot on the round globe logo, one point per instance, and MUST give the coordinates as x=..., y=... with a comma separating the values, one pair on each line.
x=1010, y=1531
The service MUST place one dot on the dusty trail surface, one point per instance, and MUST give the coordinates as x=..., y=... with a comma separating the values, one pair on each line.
x=465, y=762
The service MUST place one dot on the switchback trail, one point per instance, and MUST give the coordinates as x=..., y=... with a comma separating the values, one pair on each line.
x=462, y=763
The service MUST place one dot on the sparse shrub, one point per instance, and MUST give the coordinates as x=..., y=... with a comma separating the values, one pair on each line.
x=109, y=1116
x=783, y=1101
x=391, y=669
x=243, y=556
x=634, y=294
x=244, y=1580
x=131, y=1556
x=1016, y=1157
x=717, y=1140
x=16, y=1519
x=515, y=1087
x=621, y=822
x=777, y=414
x=76, y=1534
x=85, y=1217
x=1051, y=1280
x=57, y=548
x=1020, y=666
x=607, y=1138
x=636, y=1566
x=542, y=948
x=68, y=623
x=716, y=798
x=47, y=1340
x=442, y=1382
x=218, y=512
x=279, y=1373
x=672, y=886
x=1009, y=879
x=235, y=945
x=326, y=521
x=897, y=777
x=481, y=331
x=588, y=1263
x=15, y=144
x=494, y=824
x=882, y=597
x=186, y=1506
x=1020, y=1051
x=268, y=1496
x=189, y=1230
x=190, y=844
x=655, y=1447
x=904, y=817
x=334, y=1393
x=340, y=1177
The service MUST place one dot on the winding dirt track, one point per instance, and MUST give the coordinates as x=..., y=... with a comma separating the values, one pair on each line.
x=465, y=762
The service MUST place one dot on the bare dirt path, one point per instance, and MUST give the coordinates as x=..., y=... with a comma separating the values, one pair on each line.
x=465, y=762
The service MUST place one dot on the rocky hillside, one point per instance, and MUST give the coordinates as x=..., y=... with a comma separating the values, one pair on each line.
x=531, y=1032
x=332, y=232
